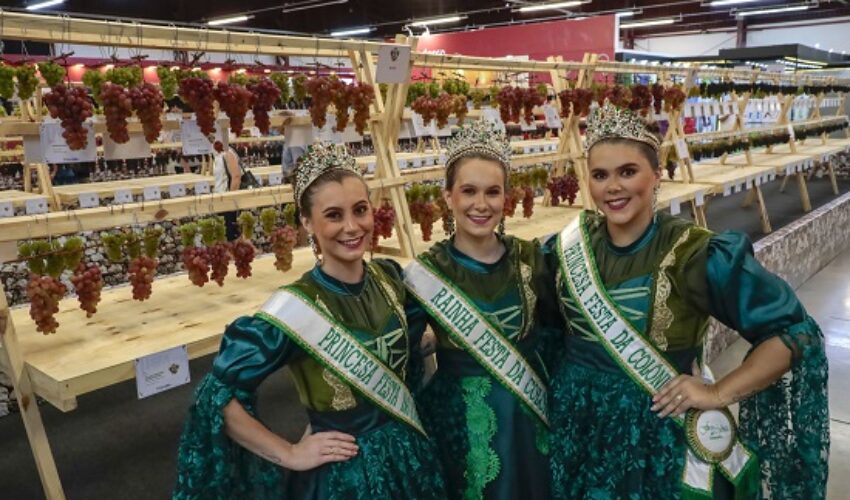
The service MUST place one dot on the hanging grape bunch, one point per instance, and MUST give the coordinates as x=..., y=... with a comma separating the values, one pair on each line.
x=93, y=80
x=44, y=290
x=384, y=221
x=117, y=107
x=422, y=210
x=568, y=102
x=299, y=90
x=27, y=81
x=88, y=283
x=7, y=81
x=195, y=258
x=531, y=97
x=674, y=97
x=362, y=97
x=657, y=97
x=341, y=100
x=282, y=82
x=147, y=101
x=243, y=250
x=641, y=100
x=265, y=94
x=426, y=107
x=319, y=89
x=218, y=248
x=508, y=109
x=198, y=93
x=142, y=251
x=445, y=214
x=72, y=107
x=616, y=95
x=167, y=81
x=234, y=101
x=52, y=73
x=460, y=108
x=445, y=107
x=283, y=239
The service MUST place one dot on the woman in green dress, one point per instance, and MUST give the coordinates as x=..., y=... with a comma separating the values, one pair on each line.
x=486, y=405
x=632, y=414
x=341, y=329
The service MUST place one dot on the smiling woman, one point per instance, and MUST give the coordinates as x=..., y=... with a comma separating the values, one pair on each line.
x=486, y=406
x=630, y=407
x=342, y=330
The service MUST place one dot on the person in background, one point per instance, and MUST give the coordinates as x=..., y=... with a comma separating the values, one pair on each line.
x=228, y=177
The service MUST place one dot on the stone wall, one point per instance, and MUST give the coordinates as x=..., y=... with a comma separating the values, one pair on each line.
x=795, y=253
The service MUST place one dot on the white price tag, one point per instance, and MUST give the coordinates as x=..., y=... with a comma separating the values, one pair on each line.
x=123, y=196
x=442, y=159
x=789, y=170
x=771, y=177
x=177, y=190
x=675, y=206
x=370, y=167
x=417, y=162
x=37, y=206
x=757, y=180
x=162, y=371
x=6, y=209
x=151, y=193
x=89, y=200
x=526, y=150
x=727, y=190
x=700, y=198
x=402, y=164
x=682, y=149
x=275, y=179
x=202, y=187
x=736, y=188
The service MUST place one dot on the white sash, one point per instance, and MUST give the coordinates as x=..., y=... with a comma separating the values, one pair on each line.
x=478, y=335
x=332, y=345
x=649, y=369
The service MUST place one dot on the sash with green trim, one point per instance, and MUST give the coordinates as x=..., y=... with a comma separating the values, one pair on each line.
x=711, y=435
x=481, y=338
x=333, y=345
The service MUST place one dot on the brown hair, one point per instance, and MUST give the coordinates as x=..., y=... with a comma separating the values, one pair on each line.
x=451, y=170
x=336, y=175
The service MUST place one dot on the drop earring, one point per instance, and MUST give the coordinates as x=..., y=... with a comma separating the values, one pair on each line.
x=450, y=225
x=655, y=191
x=315, y=247
x=502, y=227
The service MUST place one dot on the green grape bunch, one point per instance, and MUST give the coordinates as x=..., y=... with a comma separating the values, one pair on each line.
x=27, y=81
x=52, y=73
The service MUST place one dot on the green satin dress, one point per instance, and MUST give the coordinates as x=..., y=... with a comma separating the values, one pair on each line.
x=490, y=444
x=606, y=443
x=394, y=460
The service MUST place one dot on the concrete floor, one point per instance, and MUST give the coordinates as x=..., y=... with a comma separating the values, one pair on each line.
x=827, y=298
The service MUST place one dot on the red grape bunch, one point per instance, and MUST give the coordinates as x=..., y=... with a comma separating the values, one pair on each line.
x=283, y=242
x=657, y=97
x=72, y=107
x=195, y=259
x=445, y=107
x=265, y=94
x=243, y=255
x=198, y=94
x=117, y=106
x=512, y=197
x=234, y=101
x=426, y=215
x=44, y=294
x=362, y=97
x=88, y=282
x=341, y=99
x=528, y=202
x=141, y=271
x=321, y=96
x=563, y=188
x=426, y=107
x=219, y=256
x=384, y=221
x=147, y=102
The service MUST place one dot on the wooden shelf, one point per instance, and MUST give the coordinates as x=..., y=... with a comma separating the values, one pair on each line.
x=70, y=194
x=19, y=198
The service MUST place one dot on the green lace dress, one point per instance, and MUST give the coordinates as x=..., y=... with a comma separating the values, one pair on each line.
x=490, y=445
x=605, y=441
x=394, y=460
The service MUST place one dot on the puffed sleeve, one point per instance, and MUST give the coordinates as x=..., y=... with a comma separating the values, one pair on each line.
x=209, y=464
x=787, y=424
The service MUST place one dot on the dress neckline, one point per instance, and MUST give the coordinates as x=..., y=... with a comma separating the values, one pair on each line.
x=337, y=286
x=637, y=245
x=476, y=265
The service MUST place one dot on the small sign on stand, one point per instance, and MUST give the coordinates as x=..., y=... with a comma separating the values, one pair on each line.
x=89, y=200
x=123, y=196
x=393, y=64
x=36, y=206
x=162, y=371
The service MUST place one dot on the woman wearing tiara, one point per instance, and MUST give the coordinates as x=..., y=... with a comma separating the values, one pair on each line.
x=632, y=414
x=341, y=329
x=486, y=406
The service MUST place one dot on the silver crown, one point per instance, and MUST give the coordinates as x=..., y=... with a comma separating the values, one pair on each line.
x=479, y=138
x=318, y=159
x=609, y=122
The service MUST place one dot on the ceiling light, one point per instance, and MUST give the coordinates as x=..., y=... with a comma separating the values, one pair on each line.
x=627, y=13
x=549, y=6
x=44, y=5
x=776, y=10
x=437, y=20
x=228, y=20
x=297, y=7
x=649, y=22
x=723, y=3
x=356, y=31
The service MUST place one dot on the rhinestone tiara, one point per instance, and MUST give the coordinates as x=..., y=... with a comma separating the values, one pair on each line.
x=609, y=121
x=318, y=159
x=479, y=138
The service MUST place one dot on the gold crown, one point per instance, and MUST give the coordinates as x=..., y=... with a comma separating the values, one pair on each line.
x=611, y=122
x=318, y=159
x=479, y=138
